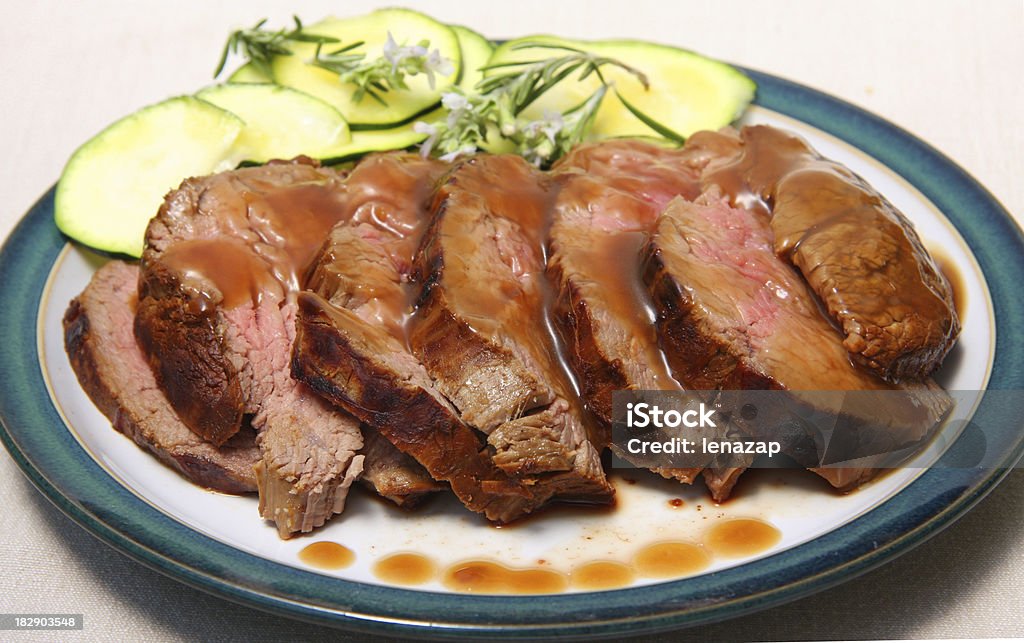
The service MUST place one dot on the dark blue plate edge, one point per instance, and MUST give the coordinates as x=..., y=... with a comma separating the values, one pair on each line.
x=34, y=245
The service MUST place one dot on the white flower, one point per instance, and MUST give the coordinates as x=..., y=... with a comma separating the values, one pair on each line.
x=396, y=55
x=453, y=118
x=436, y=63
x=454, y=101
x=432, y=133
x=457, y=106
x=552, y=124
x=465, y=149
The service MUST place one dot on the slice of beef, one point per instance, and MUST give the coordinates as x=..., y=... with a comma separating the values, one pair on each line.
x=308, y=445
x=361, y=367
x=224, y=258
x=365, y=262
x=392, y=474
x=223, y=242
x=610, y=196
x=353, y=350
x=733, y=315
x=483, y=329
x=856, y=250
x=113, y=372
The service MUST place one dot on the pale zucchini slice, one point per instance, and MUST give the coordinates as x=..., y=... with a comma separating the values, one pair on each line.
x=249, y=73
x=406, y=27
x=687, y=93
x=280, y=122
x=377, y=140
x=114, y=183
x=476, y=51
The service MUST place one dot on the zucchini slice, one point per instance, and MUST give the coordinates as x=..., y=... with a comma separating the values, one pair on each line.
x=406, y=27
x=365, y=141
x=249, y=73
x=114, y=183
x=280, y=122
x=688, y=92
x=476, y=51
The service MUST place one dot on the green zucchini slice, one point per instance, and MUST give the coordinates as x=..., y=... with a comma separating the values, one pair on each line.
x=687, y=92
x=280, y=122
x=407, y=28
x=114, y=183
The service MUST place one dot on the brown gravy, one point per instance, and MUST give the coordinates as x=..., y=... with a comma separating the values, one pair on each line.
x=283, y=228
x=327, y=555
x=666, y=559
x=367, y=264
x=741, y=537
x=602, y=574
x=300, y=216
x=486, y=577
x=232, y=267
x=616, y=257
x=955, y=278
x=406, y=569
x=670, y=560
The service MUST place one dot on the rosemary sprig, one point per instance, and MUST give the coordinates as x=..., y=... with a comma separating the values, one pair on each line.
x=387, y=72
x=502, y=98
x=526, y=81
x=259, y=45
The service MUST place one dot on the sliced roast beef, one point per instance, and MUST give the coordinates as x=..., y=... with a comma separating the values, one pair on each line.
x=392, y=474
x=856, y=250
x=483, y=332
x=224, y=258
x=218, y=243
x=611, y=194
x=360, y=366
x=352, y=349
x=114, y=373
x=733, y=315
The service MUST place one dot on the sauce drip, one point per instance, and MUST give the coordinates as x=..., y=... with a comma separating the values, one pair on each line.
x=602, y=574
x=741, y=537
x=294, y=222
x=263, y=236
x=610, y=196
x=616, y=259
x=670, y=560
x=733, y=538
x=406, y=569
x=239, y=275
x=955, y=279
x=327, y=555
x=485, y=577
x=367, y=263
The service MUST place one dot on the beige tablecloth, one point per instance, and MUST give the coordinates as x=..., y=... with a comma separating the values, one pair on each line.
x=950, y=72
